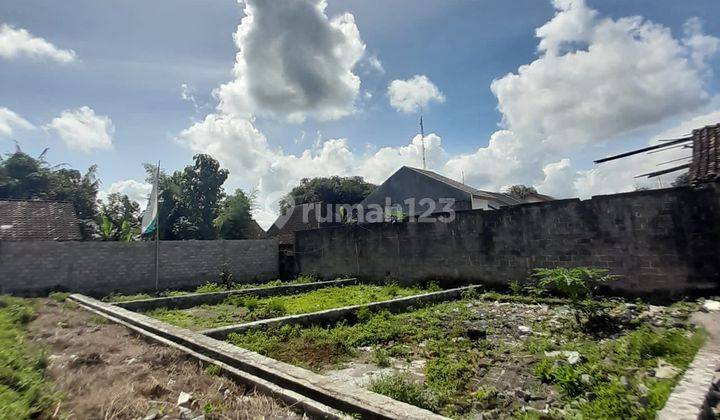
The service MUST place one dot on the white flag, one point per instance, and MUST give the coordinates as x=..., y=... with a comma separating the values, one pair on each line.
x=150, y=215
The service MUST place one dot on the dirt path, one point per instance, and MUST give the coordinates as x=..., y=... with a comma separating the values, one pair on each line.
x=107, y=372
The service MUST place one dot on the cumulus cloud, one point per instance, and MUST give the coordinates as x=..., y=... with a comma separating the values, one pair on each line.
x=82, y=130
x=135, y=190
x=412, y=94
x=9, y=121
x=18, y=42
x=596, y=79
x=254, y=164
x=293, y=62
x=619, y=175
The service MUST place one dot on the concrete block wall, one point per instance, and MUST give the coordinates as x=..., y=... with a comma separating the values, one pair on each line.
x=100, y=268
x=663, y=243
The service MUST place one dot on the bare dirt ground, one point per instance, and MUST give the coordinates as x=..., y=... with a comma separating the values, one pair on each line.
x=105, y=371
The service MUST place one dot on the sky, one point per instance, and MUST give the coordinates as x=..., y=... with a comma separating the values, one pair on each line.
x=523, y=92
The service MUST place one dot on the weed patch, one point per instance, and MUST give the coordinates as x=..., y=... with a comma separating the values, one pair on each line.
x=25, y=392
x=239, y=309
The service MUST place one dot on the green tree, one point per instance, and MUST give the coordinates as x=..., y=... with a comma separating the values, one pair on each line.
x=189, y=200
x=235, y=218
x=120, y=218
x=520, y=192
x=330, y=190
x=25, y=177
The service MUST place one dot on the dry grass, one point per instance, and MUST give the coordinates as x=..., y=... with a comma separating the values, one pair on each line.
x=107, y=372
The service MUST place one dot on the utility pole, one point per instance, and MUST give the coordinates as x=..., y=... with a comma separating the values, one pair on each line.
x=422, y=135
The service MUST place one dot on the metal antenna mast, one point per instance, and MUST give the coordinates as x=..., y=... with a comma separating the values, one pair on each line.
x=422, y=135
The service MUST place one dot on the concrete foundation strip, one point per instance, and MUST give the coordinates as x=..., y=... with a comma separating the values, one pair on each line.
x=214, y=298
x=337, y=395
x=691, y=397
x=310, y=407
x=332, y=316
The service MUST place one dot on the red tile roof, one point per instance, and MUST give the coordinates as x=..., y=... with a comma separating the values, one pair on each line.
x=38, y=221
x=705, y=165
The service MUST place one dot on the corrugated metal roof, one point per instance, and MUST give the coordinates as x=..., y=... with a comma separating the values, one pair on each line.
x=36, y=220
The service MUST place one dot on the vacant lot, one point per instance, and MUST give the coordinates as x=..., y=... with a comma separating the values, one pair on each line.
x=59, y=361
x=503, y=359
x=240, y=309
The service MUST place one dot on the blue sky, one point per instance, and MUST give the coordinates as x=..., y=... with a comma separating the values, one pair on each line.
x=117, y=101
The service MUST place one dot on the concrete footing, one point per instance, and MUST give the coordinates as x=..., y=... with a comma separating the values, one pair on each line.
x=342, y=397
x=214, y=298
x=332, y=316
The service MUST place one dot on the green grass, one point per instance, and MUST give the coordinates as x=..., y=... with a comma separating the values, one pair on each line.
x=209, y=287
x=238, y=309
x=25, y=392
x=593, y=388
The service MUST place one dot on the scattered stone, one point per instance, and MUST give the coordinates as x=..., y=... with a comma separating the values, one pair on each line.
x=572, y=357
x=131, y=361
x=152, y=415
x=711, y=305
x=184, y=400
x=585, y=378
x=524, y=329
x=666, y=371
x=185, y=413
x=643, y=389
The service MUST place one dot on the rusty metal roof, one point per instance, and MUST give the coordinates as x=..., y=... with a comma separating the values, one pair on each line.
x=36, y=220
x=705, y=164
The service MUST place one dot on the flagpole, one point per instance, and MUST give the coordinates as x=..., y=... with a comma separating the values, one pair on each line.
x=157, y=230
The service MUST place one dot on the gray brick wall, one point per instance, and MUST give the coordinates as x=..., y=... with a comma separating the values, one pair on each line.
x=663, y=243
x=99, y=268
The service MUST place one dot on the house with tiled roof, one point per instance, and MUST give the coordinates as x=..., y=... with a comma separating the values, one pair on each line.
x=37, y=220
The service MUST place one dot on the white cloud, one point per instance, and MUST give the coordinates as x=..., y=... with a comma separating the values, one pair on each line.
x=596, y=79
x=9, y=121
x=414, y=93
x=375, y=64
x=135, y=190
x=82, y=130
x=293, y=62
x=18, y=42
x=253, y=164
x=702, y=46
x=619, y=175
x=377, y=166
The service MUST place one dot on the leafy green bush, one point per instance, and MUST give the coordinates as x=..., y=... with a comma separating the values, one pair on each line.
x=579, y=285
x=573, y=283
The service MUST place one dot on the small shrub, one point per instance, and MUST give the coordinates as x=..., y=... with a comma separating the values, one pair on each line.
x=304, y=279
x=276, y=307
x=226, y=275
x=211, y=288
x=59, y=297
x=433, y=287
x=380, y=357
x=401, y=387
x=364, y=314
x=573, y=283
x=579, y=285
